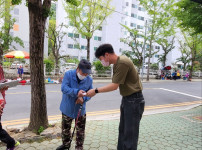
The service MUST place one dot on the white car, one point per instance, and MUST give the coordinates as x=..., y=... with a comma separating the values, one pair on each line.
x=16, y=64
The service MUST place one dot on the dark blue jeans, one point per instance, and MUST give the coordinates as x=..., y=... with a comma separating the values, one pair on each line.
x=132, y=108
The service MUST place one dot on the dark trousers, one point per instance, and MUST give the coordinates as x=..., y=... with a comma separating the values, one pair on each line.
x=80, y=131
x=5, y=137
x=132, y=108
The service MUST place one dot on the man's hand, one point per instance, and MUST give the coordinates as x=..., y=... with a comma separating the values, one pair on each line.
x=79, y=100
x=91, y=93
x=81, y=93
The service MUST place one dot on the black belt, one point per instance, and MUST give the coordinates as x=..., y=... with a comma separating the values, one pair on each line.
x=136, y=94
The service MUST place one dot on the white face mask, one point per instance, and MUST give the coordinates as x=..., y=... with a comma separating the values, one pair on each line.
x=80, y=76
x=104, y=63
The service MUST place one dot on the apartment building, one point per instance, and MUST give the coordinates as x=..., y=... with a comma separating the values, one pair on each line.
x=21, y=27
x=127, y=12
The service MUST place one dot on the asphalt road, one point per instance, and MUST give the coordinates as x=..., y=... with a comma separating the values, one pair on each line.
x=159, y=93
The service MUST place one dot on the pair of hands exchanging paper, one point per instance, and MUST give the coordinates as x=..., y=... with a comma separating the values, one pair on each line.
x=80, y=96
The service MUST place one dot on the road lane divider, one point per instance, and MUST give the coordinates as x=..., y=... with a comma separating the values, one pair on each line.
x=181, y=93
x=104, y=112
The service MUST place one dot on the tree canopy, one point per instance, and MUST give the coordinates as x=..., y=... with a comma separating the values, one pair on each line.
x=189, y=15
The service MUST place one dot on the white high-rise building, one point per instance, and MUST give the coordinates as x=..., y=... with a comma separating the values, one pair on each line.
x=21, y=28
x=127, y=12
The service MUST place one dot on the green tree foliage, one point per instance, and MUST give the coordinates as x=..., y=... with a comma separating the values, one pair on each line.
x=55, y=37
x=189, y=15
x=185, y=55
x=158, y=12
x=88, y=16
x=194, y=43
x=49, y=65
x=154, y=66
x=166, y=40
x=6, y=24
x=136, y=45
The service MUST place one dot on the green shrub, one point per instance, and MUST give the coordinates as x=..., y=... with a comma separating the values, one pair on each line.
x=6, y=64
x=99, y=67
x=49, y=65
x=74, y=60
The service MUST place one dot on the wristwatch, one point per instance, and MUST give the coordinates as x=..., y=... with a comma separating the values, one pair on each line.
x=96, y=90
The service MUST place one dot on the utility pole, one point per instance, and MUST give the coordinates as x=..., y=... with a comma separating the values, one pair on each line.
x=145, y=33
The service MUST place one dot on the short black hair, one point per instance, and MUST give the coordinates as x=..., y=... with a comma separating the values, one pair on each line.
x=102, y=49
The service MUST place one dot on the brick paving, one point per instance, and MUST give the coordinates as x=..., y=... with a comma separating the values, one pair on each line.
x=167, y=131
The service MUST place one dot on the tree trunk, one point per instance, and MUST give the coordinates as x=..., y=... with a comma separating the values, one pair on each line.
x=88, y=49
x=56, y=66
x=37, y=19
x=191, y=69
x=164, y=61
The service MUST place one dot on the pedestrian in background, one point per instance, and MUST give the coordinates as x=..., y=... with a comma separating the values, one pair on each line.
x=74, y=85
x=20, y=72
x=126, y=77
x=4, y=136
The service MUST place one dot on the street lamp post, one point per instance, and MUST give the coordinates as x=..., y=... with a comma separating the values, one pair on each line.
x=144, y=50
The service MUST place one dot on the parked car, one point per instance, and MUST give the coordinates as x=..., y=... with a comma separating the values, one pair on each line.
x=16, y=64
x=26, y=69
x=67, y=66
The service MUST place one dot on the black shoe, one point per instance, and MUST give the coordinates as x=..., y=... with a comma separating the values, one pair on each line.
x=62, y=147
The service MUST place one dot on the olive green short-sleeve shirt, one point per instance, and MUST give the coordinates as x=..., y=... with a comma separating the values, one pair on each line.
x=125, y=74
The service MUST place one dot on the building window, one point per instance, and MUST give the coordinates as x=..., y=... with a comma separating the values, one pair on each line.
x=99, y=38
x=141, y=9
x=133, y=25
x=16, y=11
x=76, y=35
x=70, y=45
x=95, y=48
x=157, y=47
x=141, y=18
x=83, y=47
x=70, y=34
x=127, y=3
x=83, y=36
x=139, y=27
x=157, y=56
x=76, y=46
x=126, y=23
x=134, y=6
x=133, y=15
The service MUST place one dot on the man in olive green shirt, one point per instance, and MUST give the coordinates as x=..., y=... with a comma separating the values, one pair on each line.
x=125, y=76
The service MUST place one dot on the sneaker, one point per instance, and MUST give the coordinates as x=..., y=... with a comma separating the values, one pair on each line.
x=62, y=147
x=16, y=145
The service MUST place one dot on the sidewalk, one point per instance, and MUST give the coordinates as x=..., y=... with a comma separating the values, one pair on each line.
x=180, y=130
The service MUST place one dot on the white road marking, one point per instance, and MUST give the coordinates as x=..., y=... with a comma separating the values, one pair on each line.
x=181, y=93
